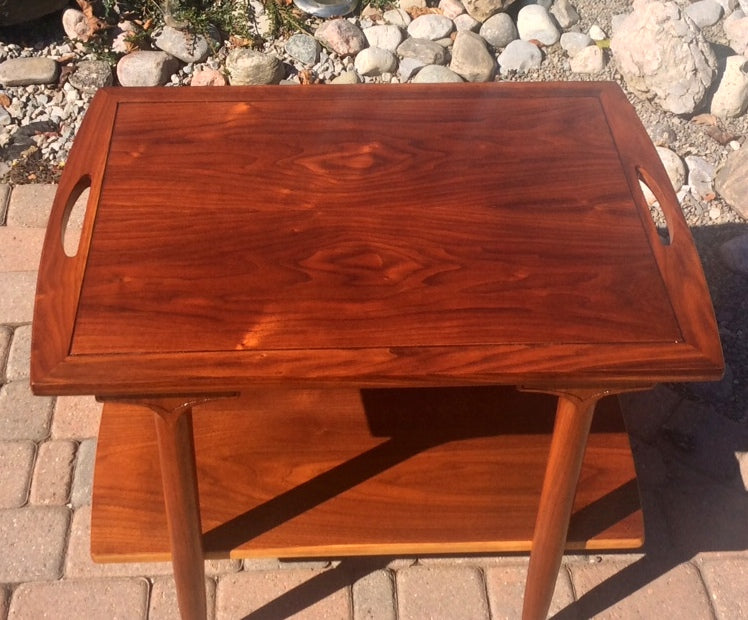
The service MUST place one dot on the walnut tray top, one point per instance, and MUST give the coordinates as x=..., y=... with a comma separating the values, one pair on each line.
x=376, y=235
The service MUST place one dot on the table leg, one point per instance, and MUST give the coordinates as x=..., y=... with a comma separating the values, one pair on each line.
x=571, y=429
x=179, y=477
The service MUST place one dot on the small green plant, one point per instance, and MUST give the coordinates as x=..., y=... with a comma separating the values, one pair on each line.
x=234, y=18
x=284, y=17
x=382, y=5
x=100, y=50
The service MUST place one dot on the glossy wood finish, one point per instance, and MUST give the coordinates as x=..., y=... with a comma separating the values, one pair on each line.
x=348, y=235
x=571, y=429
x=334, y=237
x=176, y=452
x=325, y=473
x=379, y=236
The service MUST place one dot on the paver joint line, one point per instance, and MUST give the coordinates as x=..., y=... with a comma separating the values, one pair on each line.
x=5, y=191
x=704, y=585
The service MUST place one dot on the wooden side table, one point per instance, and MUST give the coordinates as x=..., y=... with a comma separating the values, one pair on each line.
x=339, y=281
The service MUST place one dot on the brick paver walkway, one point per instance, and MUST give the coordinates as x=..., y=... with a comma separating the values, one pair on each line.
x=695, y=498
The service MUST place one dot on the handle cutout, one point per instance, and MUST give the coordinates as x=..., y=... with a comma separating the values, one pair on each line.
x=72, y=219
x=656, y=213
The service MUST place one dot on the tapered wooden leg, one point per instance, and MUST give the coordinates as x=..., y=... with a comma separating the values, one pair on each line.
x=571, y=429
x=179, y=475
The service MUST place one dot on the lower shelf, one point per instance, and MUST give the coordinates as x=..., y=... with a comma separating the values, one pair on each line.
x=326, y=473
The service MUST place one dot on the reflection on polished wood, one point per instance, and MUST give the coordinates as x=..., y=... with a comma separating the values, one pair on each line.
x=570, y=437
x=284, y=473
x=314, y=235
x=176, y=452
x=298, y=245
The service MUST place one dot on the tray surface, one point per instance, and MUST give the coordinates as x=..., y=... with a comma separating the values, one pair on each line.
x=374, y=236
x=359, y=229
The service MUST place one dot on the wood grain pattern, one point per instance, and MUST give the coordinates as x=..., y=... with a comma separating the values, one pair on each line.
x=176, y=452
x=338, y=238
x=347, y=236
x=60, y=276
x=384, y=237
x=570, y=434
x=285, y=473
